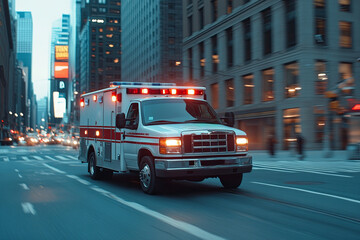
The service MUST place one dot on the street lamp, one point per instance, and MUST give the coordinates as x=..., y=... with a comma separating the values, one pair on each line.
x=10, y=112
x=21, y=114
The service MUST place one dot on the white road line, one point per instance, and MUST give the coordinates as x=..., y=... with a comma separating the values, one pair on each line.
x=79, y=179
x=186, y=227
x=28, y=208
x=38, y=158
x=62, y=158
x=24, y=186
x=72, y=157
x=308, y=191
x=54, y=169
x=19, y=175
x=53, y=159
x=26, y=159
x=314, y=172
x=6, y=159
x=16, y=170
x=270, y=169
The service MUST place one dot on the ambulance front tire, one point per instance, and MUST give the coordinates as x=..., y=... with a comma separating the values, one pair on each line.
x=231, y=181
x=94, y=171
x=148, y=181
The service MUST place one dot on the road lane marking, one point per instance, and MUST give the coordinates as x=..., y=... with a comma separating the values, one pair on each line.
x=186, y=227
x=6, y=159
x=24, y=186
x=299, y=170
x=19, y=175
x=38, y=158
x=28, y=208
x=26, y=159
x=72, y=157
x=270, y=169
x=62, y=158
x=54, y=169
x=52, y=159
x=16, y=170
x=79, y=179
x=309, y=191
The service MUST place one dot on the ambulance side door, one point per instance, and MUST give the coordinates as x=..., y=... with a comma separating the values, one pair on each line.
x=130, y=141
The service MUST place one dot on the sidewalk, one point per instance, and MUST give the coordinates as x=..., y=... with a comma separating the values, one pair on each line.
x=310, y=156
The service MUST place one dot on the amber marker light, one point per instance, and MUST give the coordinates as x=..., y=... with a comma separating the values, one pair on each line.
x=95, y=98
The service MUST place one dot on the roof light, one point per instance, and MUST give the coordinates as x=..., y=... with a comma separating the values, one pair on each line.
x=191, y=92
x=173, y=91
x=145, y=91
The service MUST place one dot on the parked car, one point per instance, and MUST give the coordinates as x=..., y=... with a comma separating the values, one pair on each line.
x=5, y=137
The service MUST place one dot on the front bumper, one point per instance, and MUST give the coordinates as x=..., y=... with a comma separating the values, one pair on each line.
x=183, y=168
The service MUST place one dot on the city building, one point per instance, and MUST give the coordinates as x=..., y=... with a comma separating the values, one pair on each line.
x=24, y=35
x=151, y=41
x=100, y=47
x=42, y=114
x=59, y=72
x=7, y=66
x=274, y=62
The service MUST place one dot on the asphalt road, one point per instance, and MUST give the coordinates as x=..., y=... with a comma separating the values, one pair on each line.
x=46, y=193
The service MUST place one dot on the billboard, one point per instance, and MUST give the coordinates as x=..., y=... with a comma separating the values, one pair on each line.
x=61, y=69
x=59, y=105
x=61, y=52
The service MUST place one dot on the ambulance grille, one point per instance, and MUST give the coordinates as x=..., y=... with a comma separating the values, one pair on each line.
x=212, y=142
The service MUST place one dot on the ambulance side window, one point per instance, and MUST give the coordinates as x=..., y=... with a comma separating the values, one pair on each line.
x=132, y=118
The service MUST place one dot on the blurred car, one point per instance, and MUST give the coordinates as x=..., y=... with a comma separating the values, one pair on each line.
x=67, y=141
x=21, y=140
x=5, y=137
x=32, y=139
x=75, y=142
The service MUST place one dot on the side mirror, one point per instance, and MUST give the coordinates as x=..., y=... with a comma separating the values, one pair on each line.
x=229, y=119
x=120, y=120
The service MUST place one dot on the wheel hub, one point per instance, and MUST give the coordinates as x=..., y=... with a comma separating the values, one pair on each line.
x=145, y=176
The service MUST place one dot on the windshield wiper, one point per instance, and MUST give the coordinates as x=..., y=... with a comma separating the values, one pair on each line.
x=202, y=121
x=162, y=122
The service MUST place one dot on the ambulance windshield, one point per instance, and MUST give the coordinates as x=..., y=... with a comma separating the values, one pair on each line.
x=172, y=111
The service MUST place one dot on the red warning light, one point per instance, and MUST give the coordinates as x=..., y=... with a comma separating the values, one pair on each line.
x=82, y=102
x=144, y=91
x=173, y=91
x=95, y=98
x=356, y=107
x=191, y=92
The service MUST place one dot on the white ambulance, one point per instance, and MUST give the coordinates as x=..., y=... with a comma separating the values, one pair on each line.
x=162, y=131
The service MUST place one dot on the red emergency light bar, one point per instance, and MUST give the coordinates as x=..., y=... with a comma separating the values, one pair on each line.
x=165, y=91
x=82, y=102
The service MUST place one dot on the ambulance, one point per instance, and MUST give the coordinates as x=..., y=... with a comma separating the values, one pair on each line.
x=161, y=132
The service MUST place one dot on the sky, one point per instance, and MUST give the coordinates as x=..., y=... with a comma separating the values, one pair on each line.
x=44, y=13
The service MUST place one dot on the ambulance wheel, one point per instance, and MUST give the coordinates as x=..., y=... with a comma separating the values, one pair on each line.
x=148, y=180
x=94, y=171
x=231, y=181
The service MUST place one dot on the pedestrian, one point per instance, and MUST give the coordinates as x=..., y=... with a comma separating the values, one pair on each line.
x=300, y=145
x=271, y=145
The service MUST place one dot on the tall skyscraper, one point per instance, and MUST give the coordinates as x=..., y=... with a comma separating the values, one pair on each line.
x=151, y=40
x=24, y=33
x=59, y=71
x=100, y=46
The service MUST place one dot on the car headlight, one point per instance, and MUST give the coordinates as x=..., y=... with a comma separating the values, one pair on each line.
x=241, y=144
x=170, y=145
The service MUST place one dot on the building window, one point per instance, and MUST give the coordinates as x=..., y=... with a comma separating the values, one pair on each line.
x=290, y=22
x=319, y=114
x=345, y=5
x=215, y=95
x=190, y=26
x=268, y=85
x=215, y=56
x=201, y=18
x=247, y=39
x=230, y=54
x=291, y=122
x=292, y=86
x=202, y=59
x=229, y=6
x=190, y=64
x=320, y=22
x=230, y=96
x=346, y=78
x=267, y=40
x=248, y=81
x=321, y=77
x=345, y=34
x=214, y=6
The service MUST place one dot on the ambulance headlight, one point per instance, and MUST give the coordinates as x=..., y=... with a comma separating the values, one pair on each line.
x=241, y=144
x=170, y=145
